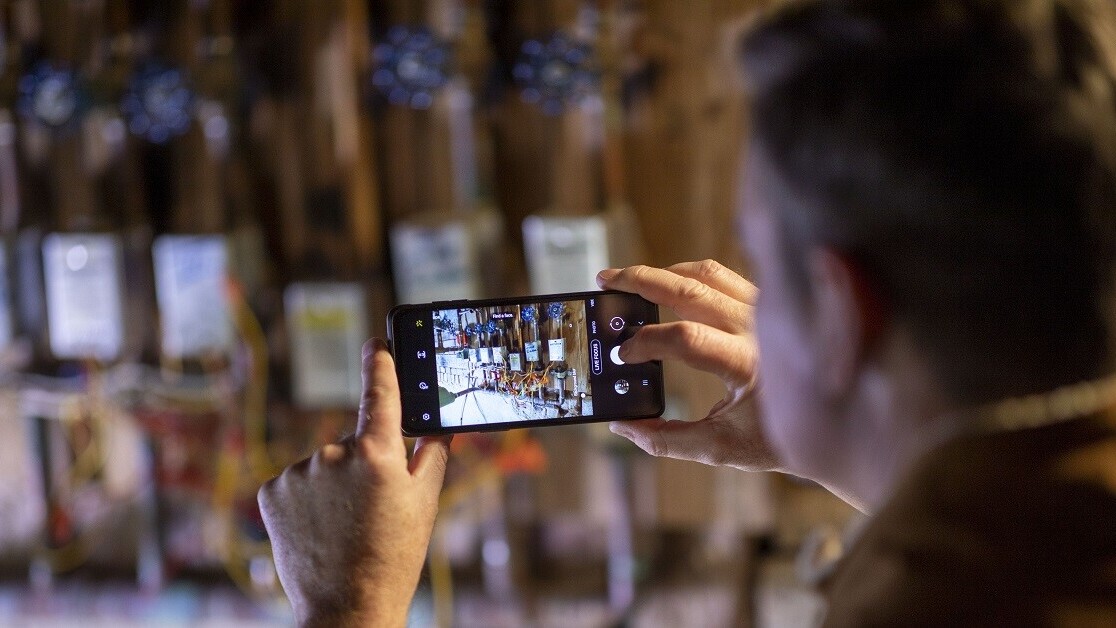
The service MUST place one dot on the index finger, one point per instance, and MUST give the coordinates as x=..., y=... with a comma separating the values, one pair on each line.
x=732, y=358
x=381, y=411
x=715, y=275
x=689, y=298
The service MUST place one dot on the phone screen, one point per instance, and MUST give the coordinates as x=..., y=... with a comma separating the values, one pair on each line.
x=504, y=363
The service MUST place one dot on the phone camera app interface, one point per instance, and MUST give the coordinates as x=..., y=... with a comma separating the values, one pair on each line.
x=508, y=363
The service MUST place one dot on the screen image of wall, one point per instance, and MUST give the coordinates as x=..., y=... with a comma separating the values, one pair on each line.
x=523, y=362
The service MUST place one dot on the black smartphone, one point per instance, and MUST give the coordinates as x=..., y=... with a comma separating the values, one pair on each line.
x=498, y=364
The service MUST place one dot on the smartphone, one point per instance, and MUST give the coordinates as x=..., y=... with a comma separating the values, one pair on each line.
x=499, y=364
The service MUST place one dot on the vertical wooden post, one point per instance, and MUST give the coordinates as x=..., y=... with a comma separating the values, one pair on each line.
x=317, y=131
x=69, y=30
x=544, y=163
x=196, y=195
x=427, y=153
x=685, y=126
x=366, y=212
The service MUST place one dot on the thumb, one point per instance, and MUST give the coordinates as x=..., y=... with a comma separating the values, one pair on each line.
x=428, y=465
x=682, y=440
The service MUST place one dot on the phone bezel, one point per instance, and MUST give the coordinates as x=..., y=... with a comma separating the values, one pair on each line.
x=659, y=388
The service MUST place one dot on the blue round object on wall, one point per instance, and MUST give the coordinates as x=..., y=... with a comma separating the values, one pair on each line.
x=53, y=96
x=555, y=73
x=410, y=66
x=159, y=103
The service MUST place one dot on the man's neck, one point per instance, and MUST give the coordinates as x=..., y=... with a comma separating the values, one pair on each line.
x=923, y=433
x=899, y=421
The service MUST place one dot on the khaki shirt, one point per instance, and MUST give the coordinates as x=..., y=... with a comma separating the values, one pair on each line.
x=997, y=529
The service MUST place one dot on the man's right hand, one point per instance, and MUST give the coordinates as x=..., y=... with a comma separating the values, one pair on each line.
x=715, y=335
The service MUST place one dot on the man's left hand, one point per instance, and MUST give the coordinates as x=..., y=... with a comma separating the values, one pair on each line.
x=350, y=525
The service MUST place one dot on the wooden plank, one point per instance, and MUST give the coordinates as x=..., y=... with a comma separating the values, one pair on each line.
x=427, y=155
x=685, y=126
x=67, y=38
x=543, y=164
x=361, y=181
x=315, y=126
x=198, y=204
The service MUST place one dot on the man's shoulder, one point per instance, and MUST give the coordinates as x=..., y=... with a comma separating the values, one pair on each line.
x=1009, y=528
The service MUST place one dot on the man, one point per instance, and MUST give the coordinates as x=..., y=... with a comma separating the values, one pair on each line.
x=930, y=207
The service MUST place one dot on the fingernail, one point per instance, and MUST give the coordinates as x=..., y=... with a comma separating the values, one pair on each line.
x=605, y=275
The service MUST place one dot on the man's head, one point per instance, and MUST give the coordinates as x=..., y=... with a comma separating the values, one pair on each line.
x=941, y=171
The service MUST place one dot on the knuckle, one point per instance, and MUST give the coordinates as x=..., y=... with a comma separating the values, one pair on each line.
x=264, y=495
x=691, y=335
x=271, y=492
x=440, y=460
x=709, y=268
x=294, y=473
x=371, y=454
x=749, y=354
x=377, y=392
x=657, y=445
x=364, y=412
x=692, y=290
x=332, y=453
x=722, y=434
x=637, y=273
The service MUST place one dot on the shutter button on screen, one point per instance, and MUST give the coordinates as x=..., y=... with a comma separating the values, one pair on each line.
x=615, y=356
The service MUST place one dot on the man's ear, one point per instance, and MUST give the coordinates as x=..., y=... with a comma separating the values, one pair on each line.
x=848, y=316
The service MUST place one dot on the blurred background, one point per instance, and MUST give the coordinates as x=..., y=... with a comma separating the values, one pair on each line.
x=206, y=206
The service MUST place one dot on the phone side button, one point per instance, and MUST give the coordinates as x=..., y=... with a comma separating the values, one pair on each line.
x=596, y=360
